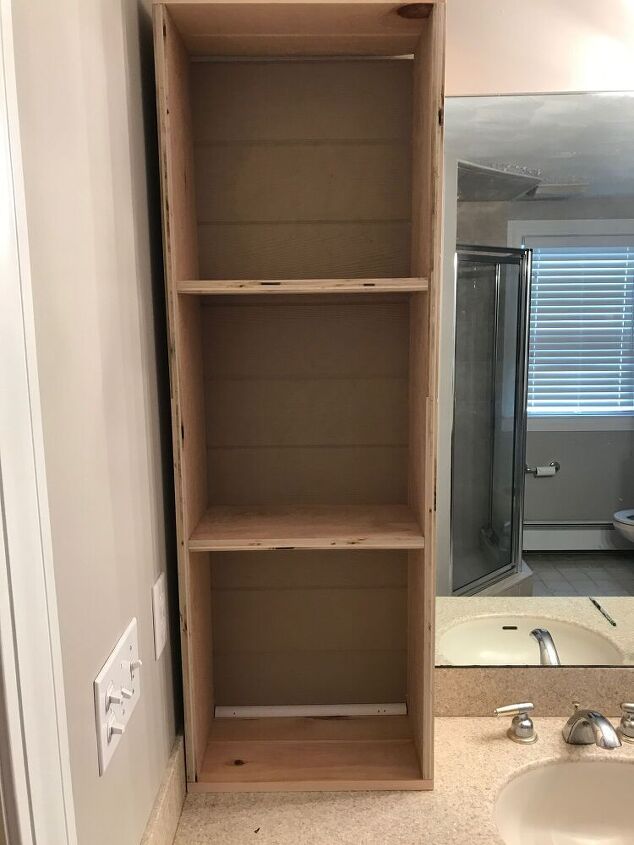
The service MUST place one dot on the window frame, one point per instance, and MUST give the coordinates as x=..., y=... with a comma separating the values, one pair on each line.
x=517, y=232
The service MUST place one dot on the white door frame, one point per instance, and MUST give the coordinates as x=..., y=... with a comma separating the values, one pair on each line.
x=34, y=756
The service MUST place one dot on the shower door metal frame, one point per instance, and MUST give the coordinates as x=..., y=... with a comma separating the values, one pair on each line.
x=522, y=258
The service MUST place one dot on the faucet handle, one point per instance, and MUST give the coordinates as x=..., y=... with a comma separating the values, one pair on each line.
x=522, y=728
x=514, y=709
x=625, y=729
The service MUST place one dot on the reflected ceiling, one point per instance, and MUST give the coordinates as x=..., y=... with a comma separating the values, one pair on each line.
x=560, y=138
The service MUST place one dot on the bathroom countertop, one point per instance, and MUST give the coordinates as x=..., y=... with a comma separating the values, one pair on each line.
x=474, y=759
x=579, y=610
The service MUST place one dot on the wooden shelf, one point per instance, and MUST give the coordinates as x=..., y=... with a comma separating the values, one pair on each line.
x=351, y=753
x=209, y=287
x=307, y=527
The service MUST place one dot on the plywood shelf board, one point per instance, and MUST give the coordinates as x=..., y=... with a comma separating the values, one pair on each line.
x=374, y=752
x=307, y=527
x=290, y=191
x=209, y=287
x=291, y=28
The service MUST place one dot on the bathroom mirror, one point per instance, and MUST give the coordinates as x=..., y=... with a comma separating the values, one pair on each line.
x=536, y=468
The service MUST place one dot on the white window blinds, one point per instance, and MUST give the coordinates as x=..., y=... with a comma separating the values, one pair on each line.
x=581, y=349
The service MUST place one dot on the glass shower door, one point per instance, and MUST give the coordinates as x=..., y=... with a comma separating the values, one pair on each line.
x=489, y=415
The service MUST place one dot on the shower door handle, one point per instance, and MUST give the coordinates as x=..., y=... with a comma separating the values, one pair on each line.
x=543, y=472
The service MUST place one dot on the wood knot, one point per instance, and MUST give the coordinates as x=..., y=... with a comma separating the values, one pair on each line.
x=414, y=11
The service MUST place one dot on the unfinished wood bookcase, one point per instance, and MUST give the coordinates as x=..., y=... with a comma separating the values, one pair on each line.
x=300, y=163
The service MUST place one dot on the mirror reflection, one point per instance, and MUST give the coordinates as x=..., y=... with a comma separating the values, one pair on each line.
x=536, y=562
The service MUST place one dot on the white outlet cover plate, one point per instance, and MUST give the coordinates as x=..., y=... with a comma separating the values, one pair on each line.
x=115, y=675
x=159, y=613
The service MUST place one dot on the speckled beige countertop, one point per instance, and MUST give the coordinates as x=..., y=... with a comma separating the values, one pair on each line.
x=577, y=610
x=474, y=759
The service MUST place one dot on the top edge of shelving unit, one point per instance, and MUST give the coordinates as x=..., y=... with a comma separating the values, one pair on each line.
x=210, y=287
x=390, y=4
x=288, y=28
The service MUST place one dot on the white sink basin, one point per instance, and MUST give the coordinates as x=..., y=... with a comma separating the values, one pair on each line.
x=506, y=641
x=587, y=803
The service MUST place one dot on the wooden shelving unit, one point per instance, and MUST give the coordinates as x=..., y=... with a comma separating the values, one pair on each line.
x=300, y=164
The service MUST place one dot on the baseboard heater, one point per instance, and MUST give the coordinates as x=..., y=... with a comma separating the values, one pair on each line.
x=571, y=535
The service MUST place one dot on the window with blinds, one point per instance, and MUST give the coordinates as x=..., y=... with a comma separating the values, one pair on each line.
x=581, y=348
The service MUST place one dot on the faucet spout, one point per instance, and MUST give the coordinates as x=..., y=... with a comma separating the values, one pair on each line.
x=548, y=655
x=587, y=727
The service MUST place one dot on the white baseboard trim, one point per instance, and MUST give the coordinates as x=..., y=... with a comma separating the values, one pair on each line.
x=563, y=538
x=165, y=815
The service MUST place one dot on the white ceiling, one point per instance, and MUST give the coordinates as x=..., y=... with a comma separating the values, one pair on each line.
x=577, y=139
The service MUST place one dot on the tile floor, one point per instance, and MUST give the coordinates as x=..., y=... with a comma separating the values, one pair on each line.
x=582, y=573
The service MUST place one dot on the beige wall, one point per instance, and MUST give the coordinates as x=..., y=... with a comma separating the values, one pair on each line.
x=596, y=477
x=531, y=46
x=81, y=112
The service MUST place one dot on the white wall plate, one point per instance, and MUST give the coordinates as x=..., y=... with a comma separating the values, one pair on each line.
x=117, y=690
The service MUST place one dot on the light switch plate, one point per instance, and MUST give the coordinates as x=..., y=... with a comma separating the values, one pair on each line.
x=159, y=612
x=117, y=689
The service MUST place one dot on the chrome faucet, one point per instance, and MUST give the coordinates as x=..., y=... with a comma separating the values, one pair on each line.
x=548, y=655
x=588, y=727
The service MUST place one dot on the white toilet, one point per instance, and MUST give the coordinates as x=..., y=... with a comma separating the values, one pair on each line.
x=623, y=521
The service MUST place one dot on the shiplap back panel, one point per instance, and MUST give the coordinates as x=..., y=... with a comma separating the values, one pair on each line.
x=303, y=169
x=306, y=403
x=298, y=627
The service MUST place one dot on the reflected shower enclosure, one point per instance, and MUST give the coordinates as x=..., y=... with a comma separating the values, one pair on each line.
x=489, y=426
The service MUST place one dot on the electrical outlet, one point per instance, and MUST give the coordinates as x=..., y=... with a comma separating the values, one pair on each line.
x=117, y=689
x=159, y=612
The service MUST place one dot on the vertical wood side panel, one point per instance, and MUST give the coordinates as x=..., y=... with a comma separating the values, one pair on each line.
x=186, y=376
x=426, y=260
